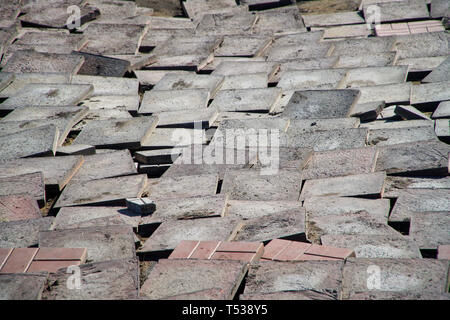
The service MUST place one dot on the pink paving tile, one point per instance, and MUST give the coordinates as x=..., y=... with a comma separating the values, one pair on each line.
x=19, y=260
x=243, y=256
x=326, y=251
x=4, y=254
x=18, y=207
x=425, y=23
x=78, y=254
x=240, y=246
x=399, y=26
x=418, y=30
x=273, y=248
x=184, y=249
x=383, y=27
x=444, y=252
x=434, y=29
x=294, y=250
x=205, y=250
x=52, y=265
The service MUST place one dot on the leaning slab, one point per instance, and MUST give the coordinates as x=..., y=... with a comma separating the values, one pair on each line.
x=311, y=79
x=439, y=74
x=173, y=81
x=442, y=111
x=247, y=100
x=98, y=65
x=308, y=125
x=374, y=76
x=102, y=243
x=430, y=229
x=397, y=93
x=257, y=209
x=31, y=184
x=181, y=187
x=18, y=207
x=384, y=137
x=430, y=92
x=108, y=86
x=22, y=286
x=155, y=101
x=23, y=233
x=188, y=118
x=400, y=10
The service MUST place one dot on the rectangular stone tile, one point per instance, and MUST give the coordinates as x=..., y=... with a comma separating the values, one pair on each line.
x=340, y=162
x=421, y=64
x=368, y=184
x=430, y=44
x=251, y=185
x=51, y=266
x=152, y=77
x=246, y=100
x=417, y=157
x=348, y=31
x=384, y=137
x=184, y=81
x=390, y=93
x=167, y=236
x=321, y=104
x=396, y=184
x=28, y=184
x=375, y=246
x=22, y=286
x=245, y=81
x=229, y=68
x=58, y=254
x=194, y=276
x=108, y=86
x=310, y=50
x=32, y=142
x=430, y=92
x=270, y=277
x=75, y=149
x=204, y=118
x=102, y=191
x=280, y=20
x=308, y=125
x=103, y=114
x=19, y=260
x=396, y=275
x=442, y=111
x=429, y=230
x=365, y=77
x=257, y=209
x=18, y=207
x=98, y=65
x=439, y=74
x=289, y=252
x=43, y=62
x=218, y=24
x=108, y=280
x=327, y=252
x=23, y=233
x=181, y=187
x=311, y=79
x=243, y=46
x=173, y=100
x=75, y=41
x=57, y=171
x=365, y=60
x=158, y=156
x=129, y=133
x=102, y=243
x=4, y=254
x=400, y=10
x=174, y=138
x=332, y=19
x=390, y=124
x=184, y=249
x=442, y=129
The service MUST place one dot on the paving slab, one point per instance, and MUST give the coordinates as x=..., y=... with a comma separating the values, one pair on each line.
x=246, y=100
x=256, y=209
x=375, y=246
x=400, y=10
x=102, y=115
x=152, y=77
x=410, y=113
x=442, y=111
x=32, y=142
x=439, y=8
x=158, y=156
x=439, y=74
x=229, y=68
x=18, y=207
x=105, y=38
x=181, y=46
x=188, y=118
x=421, y=64
x=395, y=184
x=156, y=37
x=22, y=286
x=396, y=275
x=311, y=79
x=340, y=162
x=31, y=184
x=174, y=137
x=347, y=31
x=194, y=277
x=429, y=230
x=366, y=60
x=310, y=125
x=280, y=20
x=251, y=185
x=47, y=95
x=442, y=129
x=391, y=93
x=325, y=140
x=321, y=104
x=102, y=243
x=187, y=62
x=99, y=65
x=280, y=53
x=181, y=187
x=430, y=92
x=332, y=205
x=218, y=24
x=74, y=41
x=414, y=201
x=167, y=235
x=367, y=184
x=118, y=133
x=332, y=19
x=395, y=124
x=23, y=233
x=245, y=81
x=418, y=157
x=75, y=149
x=108, y=86
x=271, y=277
x=384, y=137
x=57, y=171
x=187, y=208
x=108, y=280
x=288, y=295
x=102, y=191
x=283, y=224
x=430, y=44
x=243, y=46
x=404, y=295
x=155, y=101
x=289, y=158
x=174, y=81
x=95, y=216
x=373, y=76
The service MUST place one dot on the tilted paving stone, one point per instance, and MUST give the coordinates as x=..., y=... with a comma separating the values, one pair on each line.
x=103, y=115
x=421, y=64
x=397, y=124
x=111, y=280
x=384, y=137
x=157, y=37
x=375, y=246
x=218, y=24
x=399, y=93
x=152, y=77
x=99, y=65
x=32, y=142
x=321, y=104
x=310, y=50
x=308, y=125
x=195, y=8
x=229, y=68
x=272, y=277
x=430, y=92
x=403, y=10
x=22, y=286
x=243, y=46
x=222, y=277
x=57, y=171
x=102, y=191
x=364, y=77
x=128, y=102
x=105, y=86
x=31, y=184
x=418, y=157
x=332, y=19
x=167, y=236
x=442, y=129
x=56, y=38
x=442, y=111
x=18, y=207
x=158, y=156
x=280, y=20
x=311, y=79
x=430, y=229
x=47, y=95
x=396, y=275
x=189, y=62
x=410, y=113
x=188, y=118
x=155, y=101
x=246, y=100
x=245, y=81
x=23, y=233
x=173, y=137
x=190, y=81
x=365, y=60
x=182, y=186
x=396, y=184
x=255, y=209
x=118, y=133
x=180, y=46
x=347, y=31
x=430, y=44
x=102, y=243
x=439, y=74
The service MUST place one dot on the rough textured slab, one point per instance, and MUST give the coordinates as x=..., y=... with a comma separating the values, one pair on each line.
x=118, y=133
x=369, y=184
x=181, y=187
x=311, y=79
x=320, y=276
x=23, y=233
x=348, y=31
x=308, y=125
x=383, y=137
x=321, y=104
x=174, y=137
x=410, y=113
x=229, y=68
x=75, y=149
x=332, y=19
x=102, y=243
x=247, y=100
x=256, y=209
x=245, y=81
x=430, y=229
x=365, y=77
x=18, y=207
x=242, y=46
x=390, y=93
x=102, y=190
x=375, y=246
x=22, y=286
x=439, y=74
x=309, y=50
x=430, y=92
x=128, y=102
x=395, y=184
x=188, y=118
x=366, y=60
x=98, y=65
x=400, y=10
x=171, y=278
x=109, y=280
x=31, y=184
x=173, y=81
x=108, y=86
x=442, y=111
x=397, y=275
x=173, y=100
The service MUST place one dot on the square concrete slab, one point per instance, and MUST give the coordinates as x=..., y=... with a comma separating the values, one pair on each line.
x=102, y=191
x=23, y=233
x=395, y=275
x=429, y=230
x=22, y=286
x=368, y=184
x=193, y=276
x=321, y=104
x=108, y=86
x=247, y=100
x=31, y=184
x=181, y=187
x=118, y=133
x=18, y=207
x=109, y=280
x=155, y=101
x=102, y=243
